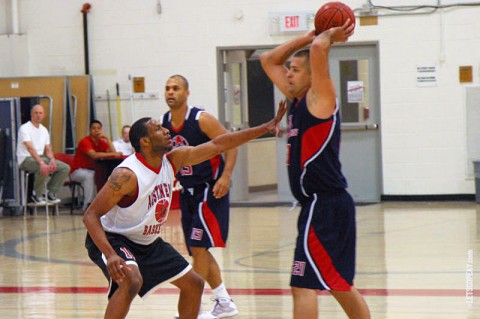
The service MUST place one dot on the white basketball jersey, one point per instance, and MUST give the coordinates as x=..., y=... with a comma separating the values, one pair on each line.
x=142, y=221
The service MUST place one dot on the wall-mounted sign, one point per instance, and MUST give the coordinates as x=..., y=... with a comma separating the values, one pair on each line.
x=293, y=22
x=465, y=74
x=427, y=75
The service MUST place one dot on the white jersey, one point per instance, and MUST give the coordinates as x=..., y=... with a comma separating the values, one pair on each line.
x=142, y=221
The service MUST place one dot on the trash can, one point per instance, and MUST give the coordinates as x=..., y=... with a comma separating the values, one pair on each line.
x=476, y=167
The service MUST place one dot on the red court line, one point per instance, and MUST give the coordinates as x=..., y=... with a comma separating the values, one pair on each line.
x=242, y=291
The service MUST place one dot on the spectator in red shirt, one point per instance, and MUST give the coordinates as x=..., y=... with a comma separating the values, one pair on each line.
x=94, y=146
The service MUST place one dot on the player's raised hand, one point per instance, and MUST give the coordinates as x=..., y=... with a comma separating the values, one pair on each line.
x=272, y=126
x=342, y=33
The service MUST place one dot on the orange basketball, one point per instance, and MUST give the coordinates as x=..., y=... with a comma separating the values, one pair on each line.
x=332, y=14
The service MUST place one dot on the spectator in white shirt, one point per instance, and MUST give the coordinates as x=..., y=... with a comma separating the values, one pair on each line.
x=35, y=155
x=123, y=144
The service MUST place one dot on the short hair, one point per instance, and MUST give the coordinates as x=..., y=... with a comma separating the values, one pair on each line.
x=182, y=78
x=125, y=126
x=95, y=122
x=36, y=106
x=304, y=53
x=137, y=131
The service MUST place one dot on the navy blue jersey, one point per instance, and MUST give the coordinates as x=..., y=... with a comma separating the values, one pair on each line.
x=313, y=152
x=190, y=134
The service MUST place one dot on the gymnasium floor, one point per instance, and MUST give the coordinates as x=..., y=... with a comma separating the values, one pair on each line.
x=415, y=260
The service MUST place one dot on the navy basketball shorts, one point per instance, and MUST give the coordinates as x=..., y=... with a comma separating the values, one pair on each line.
x=325, y=249
x=205, y=219
x=158, y=262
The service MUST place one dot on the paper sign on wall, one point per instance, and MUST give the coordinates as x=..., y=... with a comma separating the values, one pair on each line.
x=427, y=75
x=355, y=91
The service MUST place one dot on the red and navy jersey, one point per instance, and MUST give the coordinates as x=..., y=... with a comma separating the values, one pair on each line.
x=313, y=152
x=190, y=134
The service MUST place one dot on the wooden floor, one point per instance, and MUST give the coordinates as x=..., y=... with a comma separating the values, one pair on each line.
x=415, y=260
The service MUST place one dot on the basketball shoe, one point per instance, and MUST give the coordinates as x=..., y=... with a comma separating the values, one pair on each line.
x=224, y=308
x=202, y=315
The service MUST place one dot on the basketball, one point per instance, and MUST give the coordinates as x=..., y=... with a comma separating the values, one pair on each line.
x=332, y=14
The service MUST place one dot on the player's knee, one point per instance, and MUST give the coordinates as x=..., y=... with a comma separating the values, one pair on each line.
x=197, y=282
x=198, y=251
x=135, y=283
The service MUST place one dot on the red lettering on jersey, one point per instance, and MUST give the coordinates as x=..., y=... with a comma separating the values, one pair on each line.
x=152, y=229
x=291, y=131
x=145, y=230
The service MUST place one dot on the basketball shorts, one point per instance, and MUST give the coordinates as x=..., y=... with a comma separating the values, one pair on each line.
x=205, y=219
x=325, y=249
x=158, y=262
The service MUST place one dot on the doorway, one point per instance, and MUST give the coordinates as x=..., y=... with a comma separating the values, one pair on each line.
x=247, y=98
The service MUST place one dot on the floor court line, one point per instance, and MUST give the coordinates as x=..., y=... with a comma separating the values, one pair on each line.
x=415, y=261
x=240, y=291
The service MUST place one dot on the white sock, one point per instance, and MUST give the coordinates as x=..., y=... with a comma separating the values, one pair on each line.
x=221, y=292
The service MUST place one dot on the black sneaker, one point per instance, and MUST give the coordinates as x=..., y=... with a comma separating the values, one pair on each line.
x=38, y=200
x=52, y=198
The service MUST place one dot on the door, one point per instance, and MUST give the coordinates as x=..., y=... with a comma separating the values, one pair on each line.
x=246, y=99
x=233, y=112
x=355, y=70
x=9, y=179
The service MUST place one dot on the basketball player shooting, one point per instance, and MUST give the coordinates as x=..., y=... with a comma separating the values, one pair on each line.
x=324, y=257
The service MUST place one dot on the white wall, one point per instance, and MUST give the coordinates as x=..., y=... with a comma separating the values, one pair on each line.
x=423, y=129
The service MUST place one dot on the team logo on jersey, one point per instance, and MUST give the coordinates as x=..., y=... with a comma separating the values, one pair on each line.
x=161, y=210
x=159, y=192
x=179, y=140
x=161, y=214
x=196, y=234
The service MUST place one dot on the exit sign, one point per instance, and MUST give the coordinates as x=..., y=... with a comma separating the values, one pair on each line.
x=293, y=22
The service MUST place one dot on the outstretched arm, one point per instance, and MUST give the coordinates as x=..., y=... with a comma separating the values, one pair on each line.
x=185, y=156
x=212, y=128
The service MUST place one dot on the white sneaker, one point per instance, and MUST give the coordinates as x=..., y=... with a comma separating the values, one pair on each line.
x=38, y=200
x=51, y=198
x=224, y=308
x=207, y=315
x=202, y=315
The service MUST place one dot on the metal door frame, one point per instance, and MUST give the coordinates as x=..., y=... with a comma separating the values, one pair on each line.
x=223, y=117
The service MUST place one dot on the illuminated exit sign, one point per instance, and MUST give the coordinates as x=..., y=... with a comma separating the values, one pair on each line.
x=293, y=22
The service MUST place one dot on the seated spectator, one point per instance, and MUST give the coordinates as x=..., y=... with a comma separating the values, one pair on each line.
x=123, y=143
x=97, y=145
x=35, y=155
